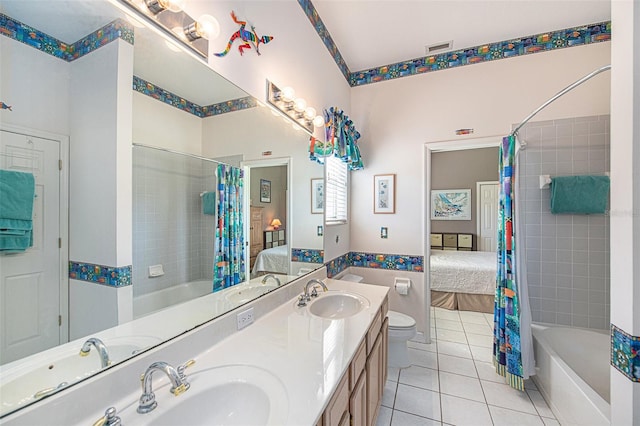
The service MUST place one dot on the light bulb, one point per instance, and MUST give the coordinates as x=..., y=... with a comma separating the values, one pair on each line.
x=157, y=6
x=288, y=94
x=174, y=5
x=208, y=27
x=299, y=105
x=318, y=121
x=309, y=113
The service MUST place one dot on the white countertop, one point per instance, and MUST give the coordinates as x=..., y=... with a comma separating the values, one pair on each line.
x=307, y=354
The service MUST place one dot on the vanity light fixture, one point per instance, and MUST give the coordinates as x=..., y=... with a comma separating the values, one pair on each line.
x=293, y=108
x=173, y=21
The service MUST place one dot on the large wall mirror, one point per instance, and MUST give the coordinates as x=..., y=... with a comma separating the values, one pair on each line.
x=182, y=123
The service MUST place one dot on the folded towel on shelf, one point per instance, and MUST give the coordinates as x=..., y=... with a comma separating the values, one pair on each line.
x=17, y=191
x=579, y=194
x=209, y=203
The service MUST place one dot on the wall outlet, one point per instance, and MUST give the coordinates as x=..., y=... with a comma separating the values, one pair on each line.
x=245, y=318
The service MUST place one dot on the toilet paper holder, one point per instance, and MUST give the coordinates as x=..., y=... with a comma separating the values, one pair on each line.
x=404, y=283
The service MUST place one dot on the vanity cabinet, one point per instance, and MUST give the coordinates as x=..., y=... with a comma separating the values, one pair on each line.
x=255, y=229
x=359, y=392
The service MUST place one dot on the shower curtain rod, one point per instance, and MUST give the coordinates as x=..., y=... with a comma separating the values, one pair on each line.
x=559, y=94
x=198, y=157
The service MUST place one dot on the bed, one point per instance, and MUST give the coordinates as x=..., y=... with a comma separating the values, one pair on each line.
x=275, y=259
x=463, y=280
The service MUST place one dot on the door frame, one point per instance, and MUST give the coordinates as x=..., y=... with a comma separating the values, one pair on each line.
x=63, y=140
x=429, y=149
x=246, y=166
x=479, y=206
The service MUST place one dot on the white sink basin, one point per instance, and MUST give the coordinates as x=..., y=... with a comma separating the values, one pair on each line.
x=39, y=376
x=337, y=305
x=246, y=294
x=230, y=395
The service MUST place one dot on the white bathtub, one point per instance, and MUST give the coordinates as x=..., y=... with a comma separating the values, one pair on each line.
x=572, y=373
x=151, y=302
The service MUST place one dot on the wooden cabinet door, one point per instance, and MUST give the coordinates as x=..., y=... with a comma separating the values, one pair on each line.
x=338, y=405
x=358, y=402
x=374, y=382
x=385, y=351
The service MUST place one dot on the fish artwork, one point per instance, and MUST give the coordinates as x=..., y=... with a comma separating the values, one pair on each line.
x=5, y=106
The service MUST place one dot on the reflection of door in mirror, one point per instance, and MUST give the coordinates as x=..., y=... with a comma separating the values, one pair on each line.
x=265, y=256
x=30, y=286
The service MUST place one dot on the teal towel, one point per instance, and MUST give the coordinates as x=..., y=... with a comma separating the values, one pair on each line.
x=17, y=190
x=209, y=203
x=579, y=194
x=16, y=243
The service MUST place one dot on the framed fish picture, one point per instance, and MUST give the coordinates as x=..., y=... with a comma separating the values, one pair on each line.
x=451, y=204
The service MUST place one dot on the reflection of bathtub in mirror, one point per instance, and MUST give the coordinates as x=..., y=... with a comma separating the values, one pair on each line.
x=28, y=379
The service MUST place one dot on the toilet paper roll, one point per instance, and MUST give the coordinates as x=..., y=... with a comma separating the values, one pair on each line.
x=402, y=286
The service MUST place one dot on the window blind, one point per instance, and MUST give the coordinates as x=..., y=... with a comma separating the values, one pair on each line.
x=336, y=191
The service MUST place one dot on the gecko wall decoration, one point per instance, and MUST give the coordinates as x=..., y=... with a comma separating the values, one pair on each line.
x=246, y=37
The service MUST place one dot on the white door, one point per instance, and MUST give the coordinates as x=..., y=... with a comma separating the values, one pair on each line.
x=30, y=281
x=487, y=215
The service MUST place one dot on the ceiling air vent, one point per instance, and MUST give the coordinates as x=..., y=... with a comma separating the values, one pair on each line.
x=439, y=47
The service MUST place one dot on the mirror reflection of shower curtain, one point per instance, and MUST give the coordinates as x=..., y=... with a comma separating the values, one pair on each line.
x=512, y=351
x=228, y=266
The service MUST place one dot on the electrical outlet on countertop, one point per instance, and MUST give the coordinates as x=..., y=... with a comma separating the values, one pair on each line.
x=245, y=318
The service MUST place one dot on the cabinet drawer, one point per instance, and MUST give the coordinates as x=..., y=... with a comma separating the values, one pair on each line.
x=465, y=240
x=450, y=240
x=436, y=240
x=357, y=365
x=372, y=334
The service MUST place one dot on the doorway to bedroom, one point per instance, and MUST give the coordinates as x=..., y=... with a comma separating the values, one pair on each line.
x=462, y=203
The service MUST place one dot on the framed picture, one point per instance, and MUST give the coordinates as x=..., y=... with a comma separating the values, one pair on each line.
x=384, y=193
x=451, y=204
x=265, y=191
x=317, y=195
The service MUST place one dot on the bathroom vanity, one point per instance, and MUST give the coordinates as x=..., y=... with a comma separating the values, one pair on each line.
x=319, y=364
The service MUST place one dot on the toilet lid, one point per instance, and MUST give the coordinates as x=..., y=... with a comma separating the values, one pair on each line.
x=399, y=320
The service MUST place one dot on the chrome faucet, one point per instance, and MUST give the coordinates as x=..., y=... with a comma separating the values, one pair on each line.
x=306, y=296
x=178, y=380
x=100, y=347
x=266, y=278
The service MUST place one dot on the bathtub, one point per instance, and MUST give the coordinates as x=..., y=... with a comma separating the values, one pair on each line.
x=572, y=373
x=151, y=302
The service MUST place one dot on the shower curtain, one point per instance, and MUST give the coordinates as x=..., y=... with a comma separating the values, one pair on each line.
x=229, y=261
x=512, y=342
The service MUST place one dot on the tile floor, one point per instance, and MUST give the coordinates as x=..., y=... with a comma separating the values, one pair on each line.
x=452, y=381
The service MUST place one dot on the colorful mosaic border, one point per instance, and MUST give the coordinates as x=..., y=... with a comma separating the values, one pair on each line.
x=337, y=265
x=307, y=255
x=158, y=93
x=45, y=43
x=625, y=353
x=545, y=42
x=397, y=262
x=311, y=12
x=105, y=275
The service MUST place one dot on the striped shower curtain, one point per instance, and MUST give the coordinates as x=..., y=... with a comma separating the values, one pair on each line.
x=229, y=261
x=512, y=345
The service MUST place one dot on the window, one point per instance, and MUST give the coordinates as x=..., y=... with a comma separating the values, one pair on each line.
x=336, y=191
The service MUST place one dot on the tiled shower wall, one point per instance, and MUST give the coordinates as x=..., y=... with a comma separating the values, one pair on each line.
x=169, y=227
x=567, y=255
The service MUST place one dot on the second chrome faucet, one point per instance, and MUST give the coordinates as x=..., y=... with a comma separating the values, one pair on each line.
x=179, y=383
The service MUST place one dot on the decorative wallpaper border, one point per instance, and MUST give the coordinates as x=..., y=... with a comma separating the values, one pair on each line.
x=395, y=262
x=105, y=275
x=544, y=42
x=625, y=353
x=307, y=255
x=23, y=33
x=145, y=87
x=569, y=37
x=311, y=12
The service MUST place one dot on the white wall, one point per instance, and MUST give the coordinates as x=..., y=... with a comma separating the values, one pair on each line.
x=36, y=85
x=397, y=117
x=158, y=124
x=625, y=196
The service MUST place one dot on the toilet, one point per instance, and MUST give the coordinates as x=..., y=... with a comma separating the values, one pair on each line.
x=402, y=328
